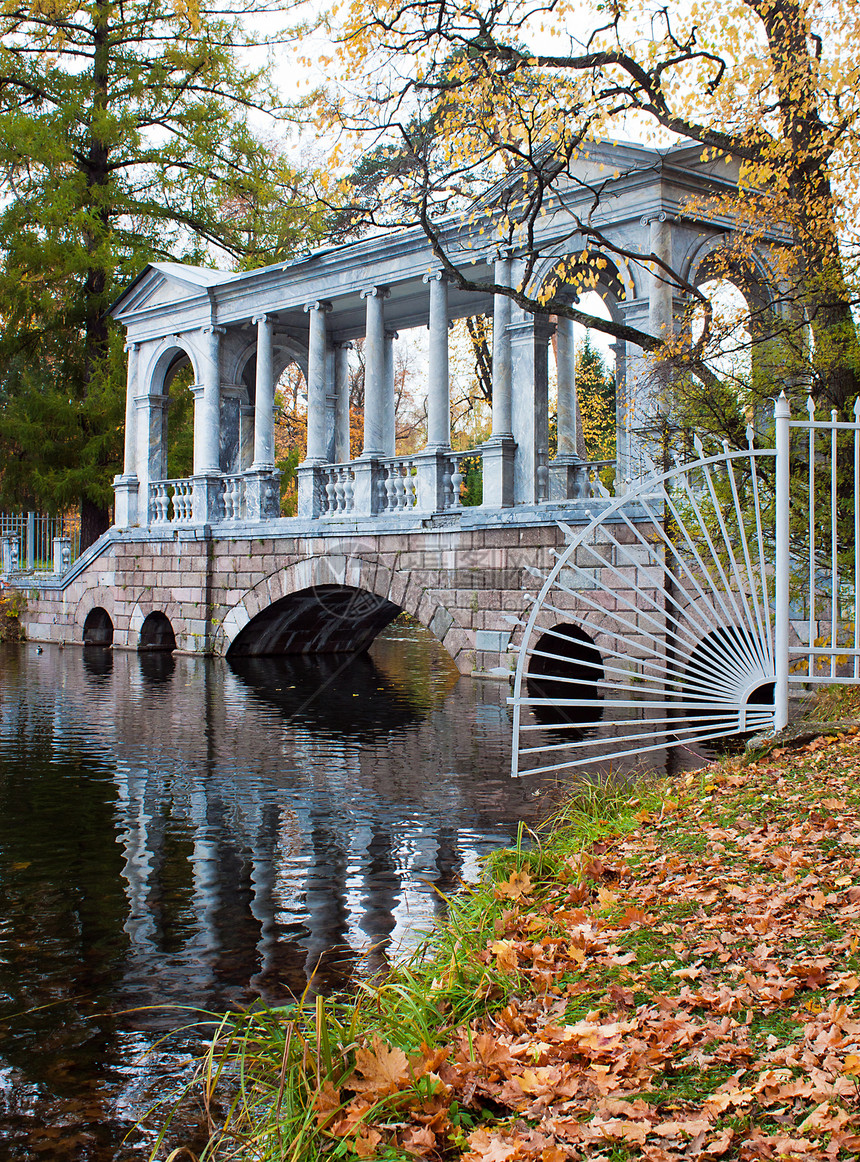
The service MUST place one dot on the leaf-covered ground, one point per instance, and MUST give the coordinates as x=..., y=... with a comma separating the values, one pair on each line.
x=687, y=988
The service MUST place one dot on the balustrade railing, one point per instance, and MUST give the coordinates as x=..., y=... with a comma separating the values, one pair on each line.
x=233, y=498
x=397, y=485
x=171, y=502
x=336, y=484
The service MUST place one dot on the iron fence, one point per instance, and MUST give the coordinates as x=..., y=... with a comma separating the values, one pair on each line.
x=34, y=542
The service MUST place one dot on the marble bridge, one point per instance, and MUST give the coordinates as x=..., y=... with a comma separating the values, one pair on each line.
x=207, y=564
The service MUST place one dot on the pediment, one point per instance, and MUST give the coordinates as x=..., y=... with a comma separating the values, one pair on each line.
x=165, y=284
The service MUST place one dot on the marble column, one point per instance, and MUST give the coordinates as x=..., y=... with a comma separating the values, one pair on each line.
x=565, y=350
x=374, y=373
x=530, y=337
x=438, y=378
x=660, y=290
x=390, y=402
x=264, y=398
x=126, y=486
x=341, y=403
x=129, y=460
x=151, y=446
x=502, y=352
x=567, y=477
x=499, y=450
x=316, y=453
x=207, y=406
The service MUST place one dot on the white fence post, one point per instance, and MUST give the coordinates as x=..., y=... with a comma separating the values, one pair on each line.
x=782, y=564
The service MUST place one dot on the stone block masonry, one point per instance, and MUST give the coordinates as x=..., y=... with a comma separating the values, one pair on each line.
x=463, y=584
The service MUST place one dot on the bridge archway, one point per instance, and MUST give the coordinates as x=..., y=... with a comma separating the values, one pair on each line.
x=325, y=619
x=362, y=595
x=98, y=628
x=156, y=633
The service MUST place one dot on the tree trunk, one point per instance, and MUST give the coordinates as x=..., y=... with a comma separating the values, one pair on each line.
x=95, y=520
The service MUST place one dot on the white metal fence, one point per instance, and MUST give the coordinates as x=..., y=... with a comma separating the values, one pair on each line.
x=690, y=606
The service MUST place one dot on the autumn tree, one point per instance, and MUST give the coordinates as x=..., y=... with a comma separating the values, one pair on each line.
x=485, y=110
x=125, y=136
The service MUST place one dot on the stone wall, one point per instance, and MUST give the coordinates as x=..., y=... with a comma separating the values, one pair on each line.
x=464, y=585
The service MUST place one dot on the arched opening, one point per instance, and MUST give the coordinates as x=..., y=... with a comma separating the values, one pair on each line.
x=323, y=619
x=565, y=668
x=171, y=426
x=156, y=633
x=180, y=420
x=291, y=432
x=98, y=628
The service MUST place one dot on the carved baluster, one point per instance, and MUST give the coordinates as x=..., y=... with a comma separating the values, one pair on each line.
x=381, y=489
x=331, y=491
x=456, y=485
x=348, y=490
x=339, y=502
x=542, y=477
x=391, y=488
x=399, y=501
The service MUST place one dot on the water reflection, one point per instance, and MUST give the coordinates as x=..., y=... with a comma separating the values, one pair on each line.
x=177, y=831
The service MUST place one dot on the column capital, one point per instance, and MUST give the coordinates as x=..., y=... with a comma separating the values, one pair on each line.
x=343, y=344
x=213, y=329
x=436, y=276
x=500, y=254
x=654, y=216
x=132, y=346
x=318, y=305
x=262, y=318
x=392, y=334
x=151, y=401
x=376, y=292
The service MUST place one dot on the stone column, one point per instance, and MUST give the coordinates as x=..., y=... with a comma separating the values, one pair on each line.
x=341, y=403
x=566, y=474
x=317, y=382
x=502, y=352
x=126, y=486
x=530, y=412
x=208, y=482
x=660, y=290
x=151, y=449
x=129, y=461
x=438, y=380
x=374, y=373
x=565, y=357
x=207, y=406
x=264, y=398
x=641, y=413
x=309, y=483
x=498, y=452
x=390, y=438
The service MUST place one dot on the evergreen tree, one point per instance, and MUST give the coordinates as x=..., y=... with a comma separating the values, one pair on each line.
x=124, y=137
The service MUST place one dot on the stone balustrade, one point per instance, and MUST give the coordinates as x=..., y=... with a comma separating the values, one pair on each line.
x=171, y=502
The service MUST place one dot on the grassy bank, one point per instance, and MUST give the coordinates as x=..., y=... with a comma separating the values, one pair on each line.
x=675, y=975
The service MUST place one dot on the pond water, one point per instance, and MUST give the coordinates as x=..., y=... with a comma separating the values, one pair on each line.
x=182, y=833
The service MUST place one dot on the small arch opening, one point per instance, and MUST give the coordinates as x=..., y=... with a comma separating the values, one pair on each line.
x=156, y=633
x=565, y=666
x=98, y=628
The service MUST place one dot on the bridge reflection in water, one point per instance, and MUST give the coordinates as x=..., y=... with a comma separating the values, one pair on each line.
x=183, y=831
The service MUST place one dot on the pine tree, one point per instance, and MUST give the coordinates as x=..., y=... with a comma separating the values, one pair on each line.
x=124, y=137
